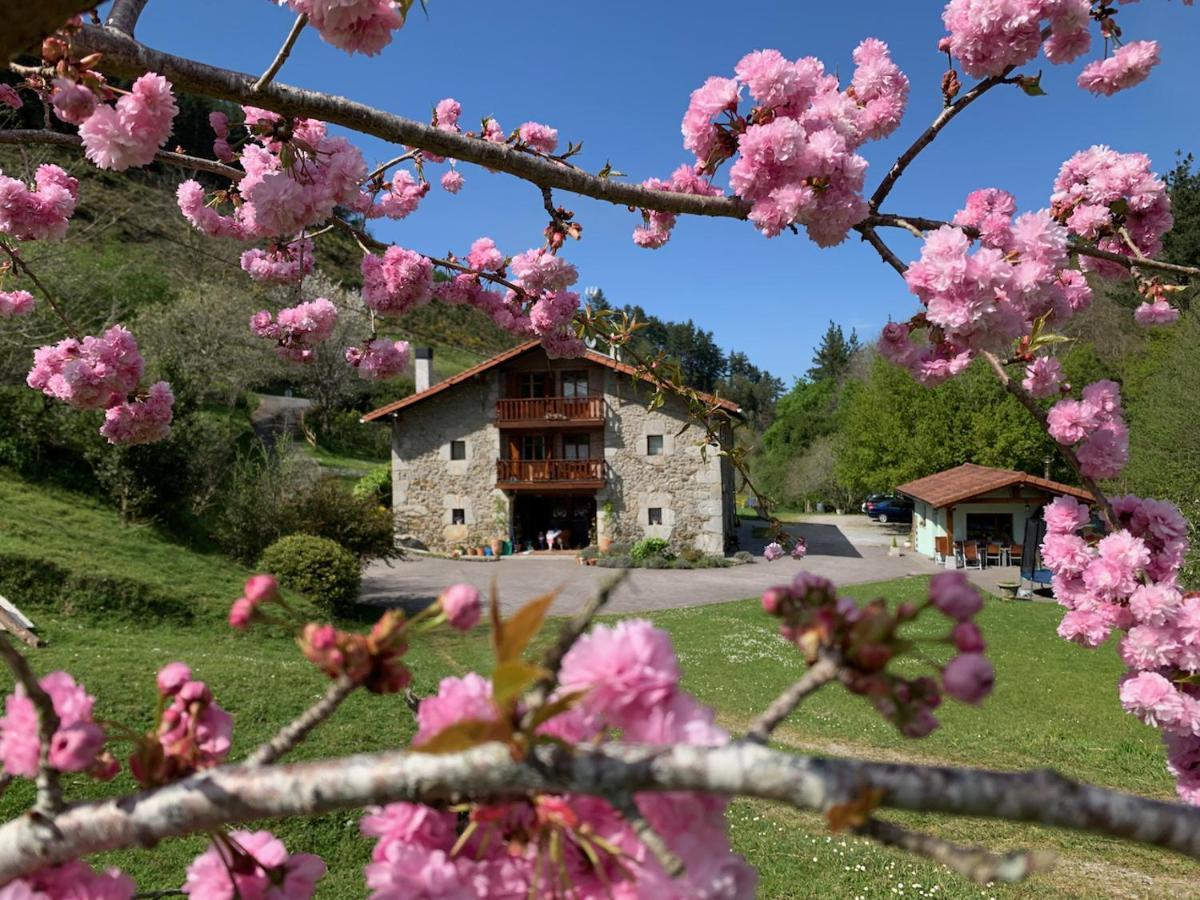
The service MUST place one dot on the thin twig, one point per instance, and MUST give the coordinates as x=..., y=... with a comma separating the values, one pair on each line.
x=299, y=728
x=926, y=137
x=823, y=671
x=979, y=865
x=411, y=154
x=21, y=265
x=625, y=804
x=885, y=252
x=49, y=791
x=284, y=52
x=24, y=136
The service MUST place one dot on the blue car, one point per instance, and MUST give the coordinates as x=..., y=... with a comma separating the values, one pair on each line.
x=890, y=509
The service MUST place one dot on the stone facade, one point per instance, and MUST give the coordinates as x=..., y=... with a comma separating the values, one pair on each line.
x=677, y=492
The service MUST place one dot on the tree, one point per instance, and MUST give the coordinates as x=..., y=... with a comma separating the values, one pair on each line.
x=831, y=360
x=505, y=749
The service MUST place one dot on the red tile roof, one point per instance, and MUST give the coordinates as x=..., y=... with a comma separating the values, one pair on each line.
x=969, y=480
x=521, y=349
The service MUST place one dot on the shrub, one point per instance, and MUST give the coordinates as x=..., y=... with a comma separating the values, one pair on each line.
x=375, y=486
x=680, y=563
x=589, y=552
x=618, y=548
x=39, y=584
x=330, y=510
x=648, y=547
x=656, y=562
x=744, y=556
x=318, y=567
x=615, y=562
x=691, y=554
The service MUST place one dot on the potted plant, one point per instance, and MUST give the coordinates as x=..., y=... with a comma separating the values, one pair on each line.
x=500, y=519
x=605, y=540
x=894, y=550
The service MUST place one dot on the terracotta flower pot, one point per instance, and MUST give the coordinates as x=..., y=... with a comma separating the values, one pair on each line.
x=605, y=544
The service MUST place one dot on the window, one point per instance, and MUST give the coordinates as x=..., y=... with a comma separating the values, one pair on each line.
x=458, y=449
x=574, y=384
x=654, y=445
x=533, y=446
x=458, y=517
x=531, y=384
x=655, y=515
x=576, y=446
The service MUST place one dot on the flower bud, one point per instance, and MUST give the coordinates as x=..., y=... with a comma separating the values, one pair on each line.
x=968, y=677
x=172, y=677
x=461, y=604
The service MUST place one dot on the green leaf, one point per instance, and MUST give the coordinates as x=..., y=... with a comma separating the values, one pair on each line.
x=514, y=634
x=556, y=707
x=511, y=679
x=466, y=734
x=1032, y=85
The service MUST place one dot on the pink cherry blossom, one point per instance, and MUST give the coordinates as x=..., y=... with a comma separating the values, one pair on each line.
x=485, y=257
x=462, y=606
x=75, y=744
x=408, y=823
x=129, y=133
x=264, y=869
x=74, y=880
x=953, y=595
x=1129, y=65
x=172, y=677
x=396, y=282
x=1152, y=698
x=401, y=197
x=968, y=677
x=1043, y=377
x=541, y=138
x=457, y=700
x=297, y=329
x=1158, y=312
x=140, y=421
x=1065, y=515
x=404, y=871
x=40, y=212
x=453, y=181
x=356, y=26
x=1084, y=627
x=626, y=669
x=773, y=551
x=73, y=103
x=379, y=359
x=95, y=373
x=280, y=263
x=16, y=303
x=9, y=97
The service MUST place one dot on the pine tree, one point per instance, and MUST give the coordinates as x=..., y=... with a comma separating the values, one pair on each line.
x=832, y=358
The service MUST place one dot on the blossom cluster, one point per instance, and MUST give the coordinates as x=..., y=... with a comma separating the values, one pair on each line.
x=630, y=677
x=101, y=373
x=984, y=297
x=795, y=148
x=259, y=589
x=1105, y=197
x=1095, y=424
x=356, y=26
x=282, y=263
x=1127, y=581
x=865, y=639
x=77, y=743
x=128, y=133
x=40, y=212
x=74, y=880
x=193, y=732
x=297, y=329
x=373, y=660
x=379, y=359
x=990, y=37
x=252, y=864
x=16, y=303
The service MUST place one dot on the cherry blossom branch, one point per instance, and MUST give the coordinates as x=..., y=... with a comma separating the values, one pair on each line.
x=127, y=57
x=292, y=734
x=1076, y=245
x=22, y=136
x=1026, y=400
x=234, y=794
x=872, y=237
x=49, y=791
x=25, y=23
x=944, y=118
x=284, y=52
x=975, y=863
x=411, y=154
x=819, y=674
x=124, y=15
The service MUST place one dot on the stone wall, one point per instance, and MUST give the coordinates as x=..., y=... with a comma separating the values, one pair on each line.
x=685, y=485
x=427, y=485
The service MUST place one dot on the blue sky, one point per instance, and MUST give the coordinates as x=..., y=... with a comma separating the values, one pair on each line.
x=617, y=76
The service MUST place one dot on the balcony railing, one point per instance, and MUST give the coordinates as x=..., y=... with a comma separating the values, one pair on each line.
x=549, y=410
x=550, y=473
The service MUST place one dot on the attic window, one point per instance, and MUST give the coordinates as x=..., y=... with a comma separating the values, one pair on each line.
x=458, y=517
x=655, y=515
x=654, y=445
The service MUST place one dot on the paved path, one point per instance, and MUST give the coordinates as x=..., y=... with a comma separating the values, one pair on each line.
x=845, y=549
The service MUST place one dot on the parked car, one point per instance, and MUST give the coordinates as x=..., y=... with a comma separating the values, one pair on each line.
x=891, y=509
x=871, y=500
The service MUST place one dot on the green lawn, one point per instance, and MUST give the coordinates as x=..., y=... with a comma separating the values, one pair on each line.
x=1055, y=705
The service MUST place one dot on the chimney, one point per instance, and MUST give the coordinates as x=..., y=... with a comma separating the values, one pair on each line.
x=423, y=368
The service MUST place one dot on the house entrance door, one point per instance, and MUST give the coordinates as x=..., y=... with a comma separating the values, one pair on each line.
x=535, y=514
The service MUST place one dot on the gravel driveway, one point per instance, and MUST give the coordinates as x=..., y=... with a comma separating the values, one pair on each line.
x=846, y=549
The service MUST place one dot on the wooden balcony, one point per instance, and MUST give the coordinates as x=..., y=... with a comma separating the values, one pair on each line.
x=550, y=474
x=539, y=412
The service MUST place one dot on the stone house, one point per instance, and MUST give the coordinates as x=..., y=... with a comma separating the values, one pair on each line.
x=523, y=443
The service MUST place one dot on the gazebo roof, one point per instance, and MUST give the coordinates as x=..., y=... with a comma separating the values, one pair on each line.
x=969, y=480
